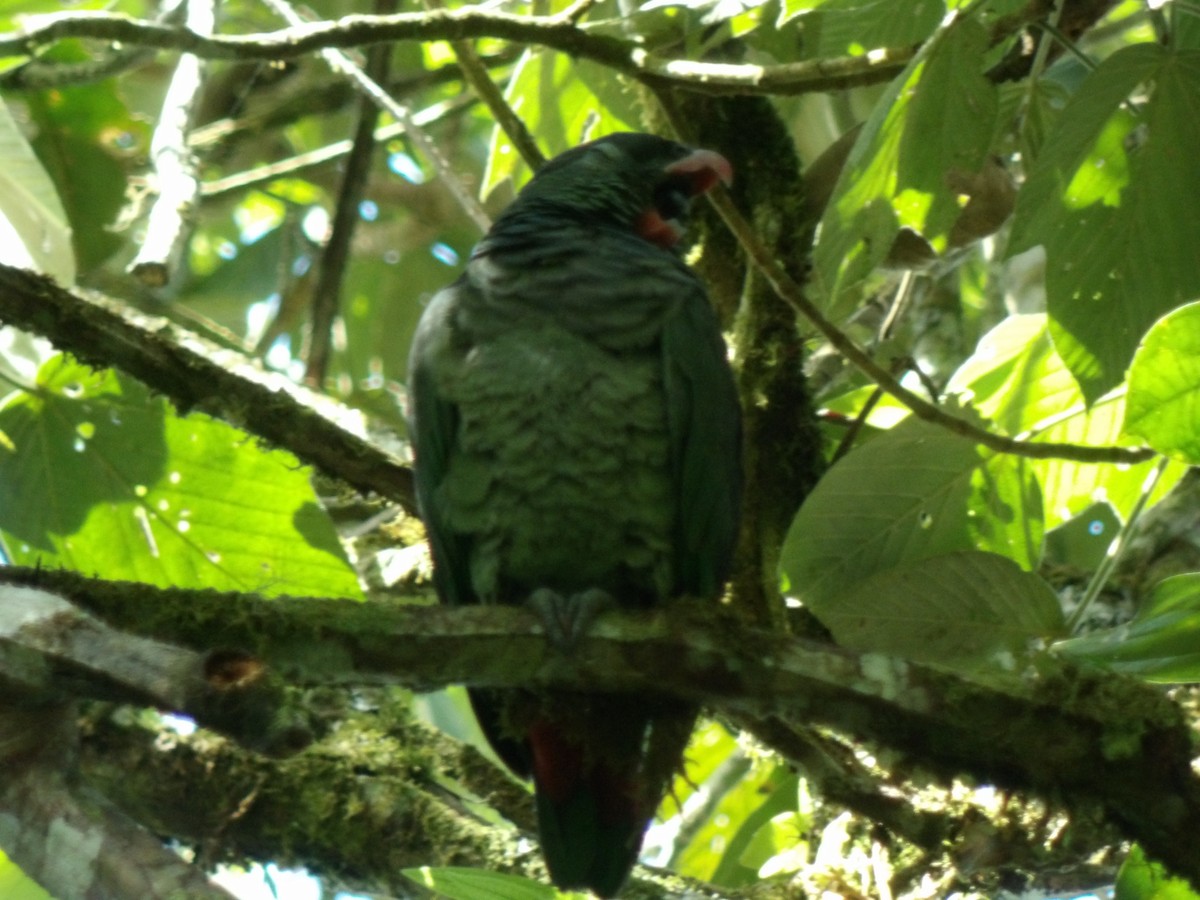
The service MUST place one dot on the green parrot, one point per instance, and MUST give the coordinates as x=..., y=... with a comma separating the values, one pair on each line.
x=577, y=443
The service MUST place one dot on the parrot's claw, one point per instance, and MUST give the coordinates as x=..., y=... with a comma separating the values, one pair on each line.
x=567, y=619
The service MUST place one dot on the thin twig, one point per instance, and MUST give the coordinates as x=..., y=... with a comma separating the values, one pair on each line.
x=336, y=255
x=553, y=32
x=477, y=76
x=791, y=293
x=576, y=11
x=37, y=75
x=340, y=62
x=301, y=162
x=856, y=424
x=333, y=96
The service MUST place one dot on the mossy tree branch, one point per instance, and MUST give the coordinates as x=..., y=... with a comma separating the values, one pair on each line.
x=196, y=375
x=1059, y=732
x=553, y=32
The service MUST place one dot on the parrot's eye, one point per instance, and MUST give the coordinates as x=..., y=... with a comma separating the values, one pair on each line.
x=673, y=198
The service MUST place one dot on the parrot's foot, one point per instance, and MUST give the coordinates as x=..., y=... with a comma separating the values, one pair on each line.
x=567, y=619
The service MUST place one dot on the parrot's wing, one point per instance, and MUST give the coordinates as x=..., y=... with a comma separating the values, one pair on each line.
x=705, y=440
x=432, y=424
x=433, y=427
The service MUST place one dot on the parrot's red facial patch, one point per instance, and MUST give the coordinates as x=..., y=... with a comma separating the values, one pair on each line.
x=695, y=174
x=653, y=227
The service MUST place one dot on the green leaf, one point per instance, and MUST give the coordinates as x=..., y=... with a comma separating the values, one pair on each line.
x=884, y=550
x=561, y=100
x=916, y=492
x=1161, y=644
x=89, y=142
x=16, y=885
x=836, y=27
x=1068, y=487
x=1164, y=386
x=760, y=842
x=34, y=233
x=714, y=852
x=1141, y=879
x=780, y=846
x=1083, y=542
x=1015, y=378
x=103, y=479
x=935, y=119
x=458, y=883
x=1111, y=197
x=954, y=609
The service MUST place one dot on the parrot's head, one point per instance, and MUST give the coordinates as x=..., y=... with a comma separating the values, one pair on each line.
x=633, y=181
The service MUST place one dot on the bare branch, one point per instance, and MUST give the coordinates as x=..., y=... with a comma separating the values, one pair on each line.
x=335, y=256
x=50, y=650
x=477, y=76
x=553, y=32
x=270, y=171
x=37, y=74
x=174, y=167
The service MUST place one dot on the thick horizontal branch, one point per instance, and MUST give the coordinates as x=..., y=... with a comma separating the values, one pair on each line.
x=554, y=32
x=52, y=651
x=1086, y=737
x=196, y=375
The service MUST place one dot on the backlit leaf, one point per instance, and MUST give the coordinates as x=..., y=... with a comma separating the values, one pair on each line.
x=1164, y=386
x=105, y=479
x=1111, y=197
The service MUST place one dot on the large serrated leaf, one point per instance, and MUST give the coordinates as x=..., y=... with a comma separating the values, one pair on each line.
x=916, y=492
x=935, y=120
x=1112, y=199
x=104, y=479
x=955, y=609
x=1163, y=406
x=1161, y=644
